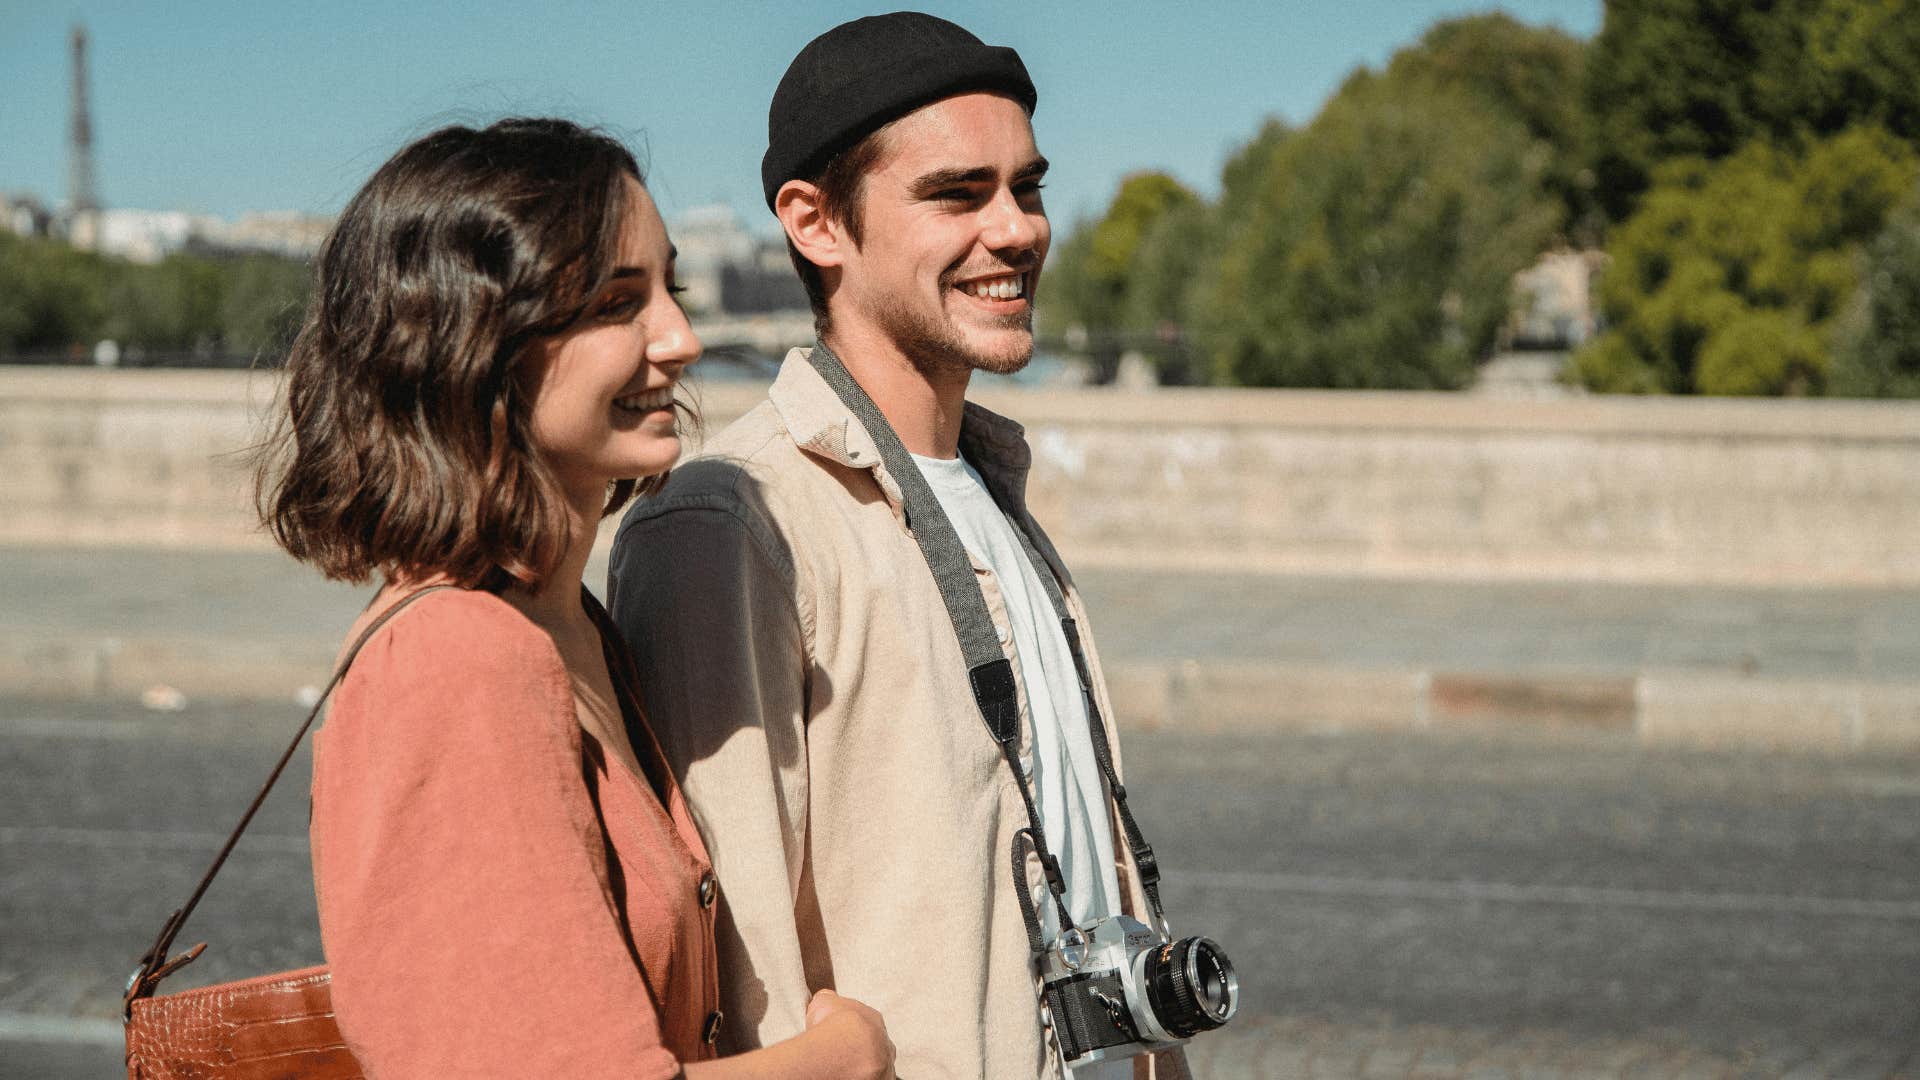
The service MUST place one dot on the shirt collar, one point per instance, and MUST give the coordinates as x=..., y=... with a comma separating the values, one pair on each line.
x=821, y=424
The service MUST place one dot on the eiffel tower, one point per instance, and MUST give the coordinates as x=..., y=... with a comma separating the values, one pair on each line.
x=83, y=199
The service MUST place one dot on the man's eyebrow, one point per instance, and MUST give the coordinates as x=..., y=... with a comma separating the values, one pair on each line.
x=1034, y=170
x=928, y=183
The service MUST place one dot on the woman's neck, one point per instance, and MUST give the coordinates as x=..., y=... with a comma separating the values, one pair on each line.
x=555, y=605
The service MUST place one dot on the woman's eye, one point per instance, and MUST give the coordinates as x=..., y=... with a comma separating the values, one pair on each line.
x=619, y=307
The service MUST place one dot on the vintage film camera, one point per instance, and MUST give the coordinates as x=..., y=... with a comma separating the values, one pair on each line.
x=1116, y=988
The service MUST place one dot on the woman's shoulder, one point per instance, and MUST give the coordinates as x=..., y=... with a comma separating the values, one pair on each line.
x=465, y=643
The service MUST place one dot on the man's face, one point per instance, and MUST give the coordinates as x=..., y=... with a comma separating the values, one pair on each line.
x=953, y=237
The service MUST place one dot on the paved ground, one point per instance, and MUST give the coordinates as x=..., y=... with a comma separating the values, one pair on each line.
x=267, y=603
x=1596, y=629
x=1431, y=907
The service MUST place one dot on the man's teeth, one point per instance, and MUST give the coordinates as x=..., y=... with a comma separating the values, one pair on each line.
x=1006, y=288
x=652, y=399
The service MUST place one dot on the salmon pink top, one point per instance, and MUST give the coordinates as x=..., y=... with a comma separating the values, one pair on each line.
x=499, y=895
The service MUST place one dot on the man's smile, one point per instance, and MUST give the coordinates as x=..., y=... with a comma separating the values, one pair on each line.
x=1005, y=287
x=1003, y=290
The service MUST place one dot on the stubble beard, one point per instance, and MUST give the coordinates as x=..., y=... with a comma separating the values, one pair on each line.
x=935, y=346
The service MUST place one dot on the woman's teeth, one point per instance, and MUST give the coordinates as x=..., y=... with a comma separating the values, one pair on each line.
x=648, y=401
x=1006, y=288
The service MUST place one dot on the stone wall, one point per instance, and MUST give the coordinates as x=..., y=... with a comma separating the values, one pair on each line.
x=1426, y=485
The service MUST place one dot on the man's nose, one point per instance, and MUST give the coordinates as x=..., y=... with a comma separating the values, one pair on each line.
x=1006, y=225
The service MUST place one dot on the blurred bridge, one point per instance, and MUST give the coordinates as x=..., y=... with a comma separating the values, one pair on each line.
x=772, y=333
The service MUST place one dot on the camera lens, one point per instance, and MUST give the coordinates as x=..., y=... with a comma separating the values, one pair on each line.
x=1190, y=986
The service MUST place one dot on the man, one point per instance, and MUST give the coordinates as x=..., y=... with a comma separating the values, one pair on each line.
x=794, y=650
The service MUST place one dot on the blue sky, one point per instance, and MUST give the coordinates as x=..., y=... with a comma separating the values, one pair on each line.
x=224, y=107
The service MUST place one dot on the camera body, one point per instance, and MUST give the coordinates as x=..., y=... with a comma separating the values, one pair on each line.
x=1116, y=989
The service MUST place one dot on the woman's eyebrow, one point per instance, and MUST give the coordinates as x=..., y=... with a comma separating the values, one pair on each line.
x=622, y=272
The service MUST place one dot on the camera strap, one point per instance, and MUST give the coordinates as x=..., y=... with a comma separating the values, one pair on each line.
x=989, y=672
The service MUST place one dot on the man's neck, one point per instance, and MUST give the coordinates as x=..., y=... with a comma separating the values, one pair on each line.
x=924, y=410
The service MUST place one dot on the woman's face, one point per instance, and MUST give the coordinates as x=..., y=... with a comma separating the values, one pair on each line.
x=603, y=391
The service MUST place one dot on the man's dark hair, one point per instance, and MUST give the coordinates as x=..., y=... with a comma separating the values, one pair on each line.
x=841, y=182
x=846, y=86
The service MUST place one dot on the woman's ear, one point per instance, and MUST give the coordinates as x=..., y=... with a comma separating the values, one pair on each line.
x=814, y=236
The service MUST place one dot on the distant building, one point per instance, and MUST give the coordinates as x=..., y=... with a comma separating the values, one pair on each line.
x=275, y=232
x=763, y=285
x=25, y=215
x=727, y=270
x=1553, y=306
x=708, y=239
x=148, y=236
x=143, y=236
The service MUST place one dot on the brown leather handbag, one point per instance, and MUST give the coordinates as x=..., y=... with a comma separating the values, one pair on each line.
x=270, y=1027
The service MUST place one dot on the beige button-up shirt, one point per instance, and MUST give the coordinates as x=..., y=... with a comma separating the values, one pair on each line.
x=803, y=677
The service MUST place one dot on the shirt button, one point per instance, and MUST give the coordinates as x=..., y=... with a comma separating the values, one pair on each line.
x=710, y=1031
x=707, y=889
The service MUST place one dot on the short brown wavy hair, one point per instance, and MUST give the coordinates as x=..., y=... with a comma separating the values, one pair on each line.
x=404, y=448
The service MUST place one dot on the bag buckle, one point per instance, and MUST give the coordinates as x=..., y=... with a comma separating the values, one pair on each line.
x=144, y=979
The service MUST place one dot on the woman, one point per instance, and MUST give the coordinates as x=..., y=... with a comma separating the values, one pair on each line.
x=509, y=881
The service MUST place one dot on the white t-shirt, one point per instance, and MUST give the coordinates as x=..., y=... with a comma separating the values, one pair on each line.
x=1068, y=790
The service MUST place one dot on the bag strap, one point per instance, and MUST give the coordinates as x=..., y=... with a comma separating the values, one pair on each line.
x=154, y=964
x=989, y=671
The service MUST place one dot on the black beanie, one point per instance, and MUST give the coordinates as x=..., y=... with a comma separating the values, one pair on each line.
x=859, y=75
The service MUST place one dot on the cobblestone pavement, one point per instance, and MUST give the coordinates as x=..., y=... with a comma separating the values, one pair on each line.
x=1426, y=907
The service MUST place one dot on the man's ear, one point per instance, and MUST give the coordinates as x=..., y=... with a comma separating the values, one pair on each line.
x=819, y=240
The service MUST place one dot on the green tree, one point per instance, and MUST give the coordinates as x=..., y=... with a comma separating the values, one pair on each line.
x=171, y=305
x=1877, y=353
x=1728, y=278
x=1864, y=54
x=16, y=315
x=1142, y=200
x=263, y=303
x=1376, y=247
x=1669, y=79
x=1067, y=297
x=1530, y=74
x=1093, y=269
x=51, y=296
